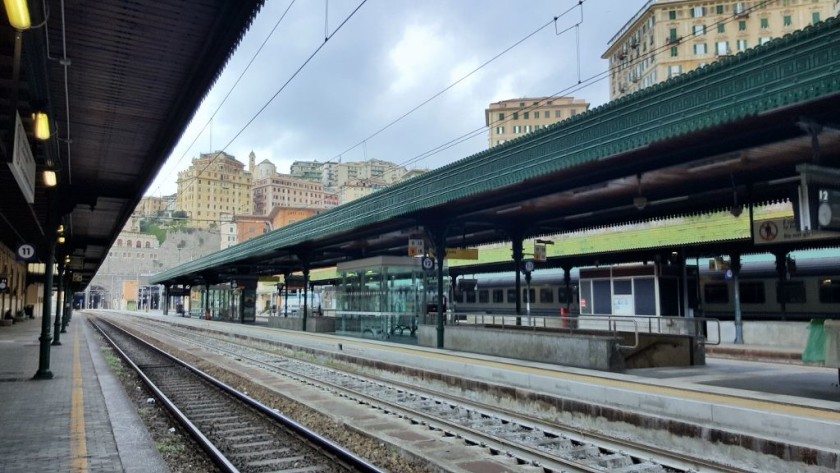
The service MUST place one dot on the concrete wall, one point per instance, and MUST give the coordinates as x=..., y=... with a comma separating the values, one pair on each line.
x=591, y=352
x=762, y=333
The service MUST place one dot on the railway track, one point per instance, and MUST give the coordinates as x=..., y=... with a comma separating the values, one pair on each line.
x=528, y=442
x=238, y=433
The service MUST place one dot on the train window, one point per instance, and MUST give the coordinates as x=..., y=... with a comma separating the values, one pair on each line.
x=483, y=296
x=511, y=295
x=716, y=293
x=546, y=295
x=564, y=296
x=791, y=292
x=529, y=295
x=752, y=292
x=830, y=292
x=498, y=296
x=469, y=297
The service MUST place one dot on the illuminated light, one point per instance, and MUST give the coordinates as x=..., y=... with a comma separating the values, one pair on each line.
x=61, y=229
x=61, y=239
x=18, y=13
x=50, y=179
x=42, y=125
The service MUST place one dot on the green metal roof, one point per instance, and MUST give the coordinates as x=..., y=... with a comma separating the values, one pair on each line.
x=796, y=68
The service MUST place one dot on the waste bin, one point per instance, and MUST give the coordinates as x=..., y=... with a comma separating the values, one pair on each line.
x=29, y=310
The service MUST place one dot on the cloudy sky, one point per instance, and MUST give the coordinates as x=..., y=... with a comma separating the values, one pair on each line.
x=388, y=58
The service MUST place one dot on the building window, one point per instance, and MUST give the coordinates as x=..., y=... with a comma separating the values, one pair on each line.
x=528, y=129
x=525, y=115
x=764, y=40
x=742, y=44
x=674, y=71
x=501, y=116
x=516, y=115
x=500, y=130
x=672, y=34
x=720, y=9
x=722, y=48
x=699, y=30
x=742, y=25
x=815, y=17
x=721, y=28
x=765, y=23
x=674, y=51
x=546, y=114
x=787, y=20
x=517, y=129
x=672, y=14
x=700, y=49
x=558, y=114
x=698, y=12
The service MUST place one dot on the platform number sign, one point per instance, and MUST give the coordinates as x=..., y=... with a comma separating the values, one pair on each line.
x=828, y=209
x=428, y=263
x=4, y=284
x=26, y=252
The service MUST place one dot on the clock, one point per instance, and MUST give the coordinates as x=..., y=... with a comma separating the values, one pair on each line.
x=824, y=214
x=529, y=266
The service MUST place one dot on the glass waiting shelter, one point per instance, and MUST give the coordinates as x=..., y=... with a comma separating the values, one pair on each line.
x=382, y=297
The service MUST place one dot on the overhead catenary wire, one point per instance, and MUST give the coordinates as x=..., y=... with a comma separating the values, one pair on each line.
x=545, y=25
x=236, y=83
x=280, y=90
x=569, y=89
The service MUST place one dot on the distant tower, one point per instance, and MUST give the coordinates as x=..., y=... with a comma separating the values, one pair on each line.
x=252, y=162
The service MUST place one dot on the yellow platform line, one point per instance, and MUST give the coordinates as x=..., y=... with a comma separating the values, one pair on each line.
x=78, y=442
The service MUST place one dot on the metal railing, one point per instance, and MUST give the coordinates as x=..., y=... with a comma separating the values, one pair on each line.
x=611, y=324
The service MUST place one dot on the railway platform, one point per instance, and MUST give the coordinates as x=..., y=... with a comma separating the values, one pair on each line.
x=80, y=420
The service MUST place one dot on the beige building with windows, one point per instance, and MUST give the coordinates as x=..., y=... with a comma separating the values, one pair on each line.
x=667, y=38
x=283, y=190
x=215, y=185
x=510, y=119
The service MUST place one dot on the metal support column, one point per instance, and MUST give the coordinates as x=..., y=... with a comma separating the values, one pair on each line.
x=305, y=291
x=44, y=354
x=516, y=240
x=735, y=266
x=59, y=302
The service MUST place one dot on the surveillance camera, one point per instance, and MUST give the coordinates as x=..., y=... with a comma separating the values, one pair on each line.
x=640, y=202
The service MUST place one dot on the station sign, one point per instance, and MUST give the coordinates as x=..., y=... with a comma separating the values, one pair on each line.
x=462, y=253
x=22, y=165
x=785, y=230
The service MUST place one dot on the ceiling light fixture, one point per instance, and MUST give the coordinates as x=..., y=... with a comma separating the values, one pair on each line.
x=50, y=179
x=42, y=125
x=18, y=13
x=640, y=201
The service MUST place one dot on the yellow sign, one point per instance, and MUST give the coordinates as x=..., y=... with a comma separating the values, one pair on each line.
x=462, y=253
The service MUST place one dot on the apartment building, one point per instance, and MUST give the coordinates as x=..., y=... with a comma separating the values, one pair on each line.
x=214, y=185
x=510, y=119
x=667, y=38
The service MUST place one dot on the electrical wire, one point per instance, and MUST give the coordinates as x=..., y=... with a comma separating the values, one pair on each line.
x=238, y=79
x=277, y=93
x=573, y=88
x=553, y=21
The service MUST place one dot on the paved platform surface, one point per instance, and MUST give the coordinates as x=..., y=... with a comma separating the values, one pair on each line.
x=79, y=421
